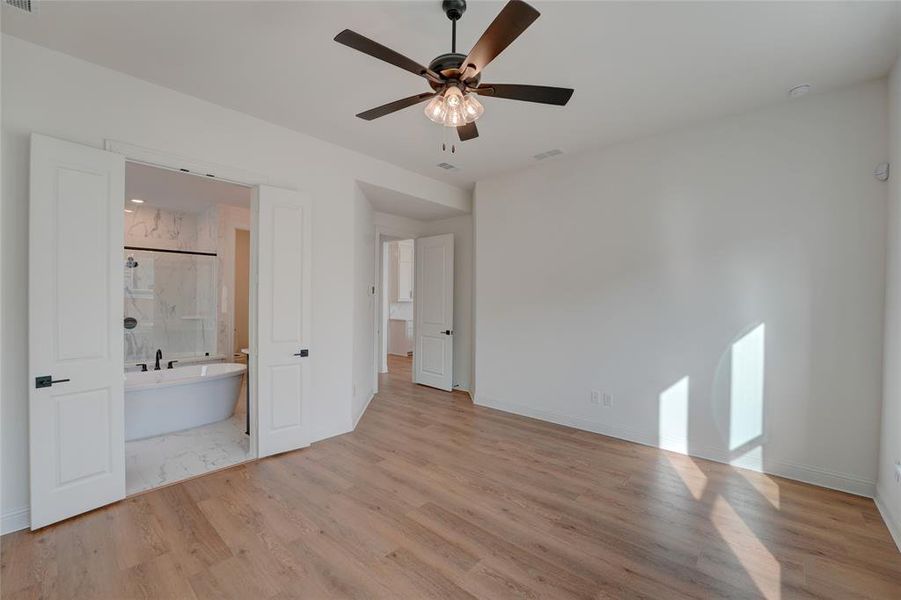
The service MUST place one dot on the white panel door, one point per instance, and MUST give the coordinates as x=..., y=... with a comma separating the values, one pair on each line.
x=76, y=235
x=433, y=355
x=282, y=371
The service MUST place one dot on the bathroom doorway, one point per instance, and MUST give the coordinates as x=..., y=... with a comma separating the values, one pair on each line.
x=164, y=290
x=187, y=276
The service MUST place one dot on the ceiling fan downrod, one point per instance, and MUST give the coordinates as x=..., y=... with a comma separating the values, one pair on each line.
x=454, y=10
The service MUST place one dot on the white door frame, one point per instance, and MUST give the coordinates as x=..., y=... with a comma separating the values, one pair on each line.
x=378, y=328
x=174, y=162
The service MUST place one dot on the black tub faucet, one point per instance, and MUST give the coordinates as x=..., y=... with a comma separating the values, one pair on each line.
x=159, y=356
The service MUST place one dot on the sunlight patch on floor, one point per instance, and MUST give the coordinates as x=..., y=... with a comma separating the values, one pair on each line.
x=692, y=476
x=756, y=560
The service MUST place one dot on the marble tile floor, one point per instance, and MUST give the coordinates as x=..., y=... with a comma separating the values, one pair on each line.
x=172, y=457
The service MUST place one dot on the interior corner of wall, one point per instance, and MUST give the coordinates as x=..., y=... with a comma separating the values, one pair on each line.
x=890, y=516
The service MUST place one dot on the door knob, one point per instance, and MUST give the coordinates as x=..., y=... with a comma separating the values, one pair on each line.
x=46, y=381
x=447, y=332
x=302, y=353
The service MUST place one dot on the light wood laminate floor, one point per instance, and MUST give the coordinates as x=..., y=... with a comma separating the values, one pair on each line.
x=432, y=497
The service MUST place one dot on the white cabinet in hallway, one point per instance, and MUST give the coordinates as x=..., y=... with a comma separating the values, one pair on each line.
x=404, y=292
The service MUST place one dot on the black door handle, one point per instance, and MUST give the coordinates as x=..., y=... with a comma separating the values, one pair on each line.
x=447, y=332
x=302, y=353
x=46, y=381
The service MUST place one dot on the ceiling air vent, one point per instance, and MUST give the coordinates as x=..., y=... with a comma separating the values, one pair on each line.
x=26, y=5
x=548, y=154
x=447, y=166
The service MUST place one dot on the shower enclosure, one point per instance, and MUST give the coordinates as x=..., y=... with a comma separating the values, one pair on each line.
x=170, y=303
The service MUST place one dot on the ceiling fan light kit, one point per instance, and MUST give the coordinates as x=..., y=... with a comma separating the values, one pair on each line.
x=455, y=78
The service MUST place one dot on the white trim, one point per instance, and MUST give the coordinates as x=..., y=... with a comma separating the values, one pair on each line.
x=363, y=412
x=807, y=474
x=891, y=522
x=175, y=162
x=15, y=520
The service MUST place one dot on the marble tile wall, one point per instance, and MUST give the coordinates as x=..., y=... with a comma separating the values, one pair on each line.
x=172, y=296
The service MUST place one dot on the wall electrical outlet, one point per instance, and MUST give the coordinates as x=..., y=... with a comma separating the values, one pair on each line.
x=595, y=397
x=898, y=471
x=607, y=399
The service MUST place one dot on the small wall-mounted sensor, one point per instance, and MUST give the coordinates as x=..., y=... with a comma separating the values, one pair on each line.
x=881, y=172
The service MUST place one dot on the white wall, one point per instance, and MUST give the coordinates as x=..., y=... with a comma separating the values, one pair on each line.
x=629, y=269
x=364, y=302
x=888, y=494
x=57, y=95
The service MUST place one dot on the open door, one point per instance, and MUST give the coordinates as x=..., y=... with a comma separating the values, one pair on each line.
x=433, y=354
x=282, y=367
x=76, y=359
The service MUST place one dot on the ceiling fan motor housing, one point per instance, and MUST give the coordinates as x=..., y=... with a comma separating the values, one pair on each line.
x=448, y=66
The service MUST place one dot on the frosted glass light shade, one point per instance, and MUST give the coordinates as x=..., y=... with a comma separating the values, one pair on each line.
x=453, y=97
x=454, y=116
x=453, y=108
x=436, y=109
x=472, y=108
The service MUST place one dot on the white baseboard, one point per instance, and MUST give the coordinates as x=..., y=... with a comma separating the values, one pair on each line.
x=891, y=519
x=15, y=520
x=804, y=473
x=363, y=412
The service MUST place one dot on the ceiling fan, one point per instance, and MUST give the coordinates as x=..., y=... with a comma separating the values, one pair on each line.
x=455, y=78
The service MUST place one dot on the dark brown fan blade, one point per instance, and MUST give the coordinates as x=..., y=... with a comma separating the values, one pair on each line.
x=513, y=19
x=527, y=93
x=467, y=132
x=356, y=41
x=387, y=109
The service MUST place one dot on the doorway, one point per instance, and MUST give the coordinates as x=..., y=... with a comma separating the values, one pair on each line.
x=415, y=309
x=186, y=402
x=164, y=291
x=399, y=298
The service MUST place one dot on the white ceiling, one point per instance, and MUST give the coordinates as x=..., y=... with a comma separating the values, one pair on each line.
x=171, y=190
x=396, y=203
x=637, y=68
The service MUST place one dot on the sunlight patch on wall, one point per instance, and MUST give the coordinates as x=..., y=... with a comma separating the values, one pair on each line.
x=672, y=417
x=746, y=404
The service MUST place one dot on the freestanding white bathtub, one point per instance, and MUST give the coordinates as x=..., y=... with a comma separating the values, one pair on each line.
x=158, y=402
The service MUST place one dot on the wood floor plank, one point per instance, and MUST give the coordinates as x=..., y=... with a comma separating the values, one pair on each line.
x=432, y=497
